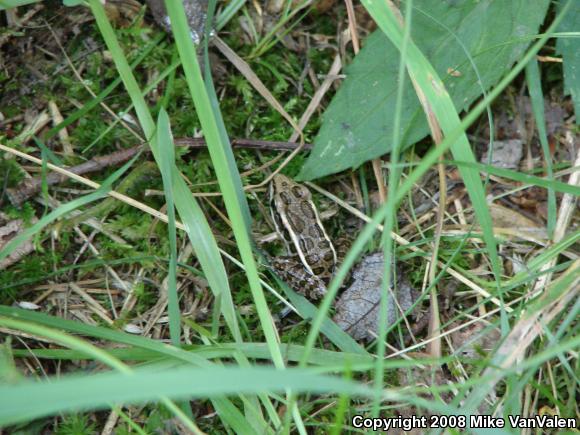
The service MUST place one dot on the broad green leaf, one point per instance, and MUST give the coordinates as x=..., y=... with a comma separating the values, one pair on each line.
x=569, y=48
x=357, y=125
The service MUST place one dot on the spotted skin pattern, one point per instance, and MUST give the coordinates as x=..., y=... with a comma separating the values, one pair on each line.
x=312, y=266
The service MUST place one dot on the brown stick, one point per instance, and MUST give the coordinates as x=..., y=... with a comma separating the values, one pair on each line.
x=268, y=145
x=31, y=186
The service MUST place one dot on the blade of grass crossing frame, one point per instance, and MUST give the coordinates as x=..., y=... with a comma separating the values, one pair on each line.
x=522, y=177
x=75, y=343
x=221, y=127
x=103, y=333
x=154, y=84
x=535, y=89
x=231, y=417
x=197, y=227
x=148, y=384
x=168, y=169
x=217, y=149
x=192, y=216
x=67, y=340
x=9, y=4
x=386, y=239
x=328, y=360
x=227, y=175
x=252, y=408
x=330, y=329
x=125, y=72
x=205, y=246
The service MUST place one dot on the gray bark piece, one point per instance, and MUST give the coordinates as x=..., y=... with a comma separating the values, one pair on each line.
x=9, y=229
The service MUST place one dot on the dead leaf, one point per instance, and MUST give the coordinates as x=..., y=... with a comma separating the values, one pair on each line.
x=506, y=154
x=357, y=310
x=504, y=217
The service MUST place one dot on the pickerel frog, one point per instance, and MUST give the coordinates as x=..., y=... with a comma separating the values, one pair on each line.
x=313, y=258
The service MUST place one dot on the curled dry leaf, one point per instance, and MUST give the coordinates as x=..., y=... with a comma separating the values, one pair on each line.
x=357, y=310
x=505, y=154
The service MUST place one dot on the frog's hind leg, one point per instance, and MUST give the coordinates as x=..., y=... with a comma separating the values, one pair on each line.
x=298, y=278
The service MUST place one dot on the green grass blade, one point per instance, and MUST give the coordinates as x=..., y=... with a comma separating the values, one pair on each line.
x=227, y=174
x=156, y=349
x=205, y=246
x=327, y=359
x=67, y=340
x=9, y=4
x=207, y=108
x=89, y=349
x=28, y=400
x=524, y=178
x=390, y=219
x=537, y=97
x=228, y=12
x=124, y=69
x=330, y=329
x=48, y=219
x=504, y=363
x=168, y=173
x=93, y=102
x=103, y=333
x=191, y=214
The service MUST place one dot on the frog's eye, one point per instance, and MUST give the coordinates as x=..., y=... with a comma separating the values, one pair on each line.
x=299, y=192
